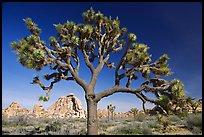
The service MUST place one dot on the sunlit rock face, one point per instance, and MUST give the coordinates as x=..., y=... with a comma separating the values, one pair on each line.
x=14, y=109
x=39, y=111
x=65, y=107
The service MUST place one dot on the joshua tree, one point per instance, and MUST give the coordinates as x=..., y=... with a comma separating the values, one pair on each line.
x=111, y=109
x=94, y=42
x=134, y=111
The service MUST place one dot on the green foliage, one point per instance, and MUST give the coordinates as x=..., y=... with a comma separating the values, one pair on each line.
x=178, y=89
x=123, y=31
x=38, y=53
x=163, y=100
x=162, y=60
x=14, y=45
x=54, y=126
x=162, y=120
x=32, y=26
x=138, y=54
x=58, y=27
x=75, y=39
x=69, y=25
x=53, y=41
x=28, y=55
x=162, y=66
x=44, y=98
x=132, y=36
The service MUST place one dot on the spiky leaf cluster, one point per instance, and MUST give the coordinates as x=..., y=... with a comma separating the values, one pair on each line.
x=163, y=101
x=99, y=28
x=161, y=66
x=132, y=36
x=178, y=89
x=32, y=26
x=176, y=98
x=43, y=98
x=28, y=55
x=138, y=55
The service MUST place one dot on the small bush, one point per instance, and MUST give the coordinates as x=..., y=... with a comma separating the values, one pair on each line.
x=153, y=124
x=55, y=126
x=173, y=118
x=140, y=117
x=194, y=122
x=196, y=130
x=146, y=131
x=128, y=129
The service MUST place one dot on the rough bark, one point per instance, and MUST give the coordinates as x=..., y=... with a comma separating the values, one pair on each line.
x=92, y=119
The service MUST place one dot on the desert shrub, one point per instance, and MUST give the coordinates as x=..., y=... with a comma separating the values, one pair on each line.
x=194, y=122
x=183, y=114
x=150, y=118
x=83, y=131
x=17, y=121
x=128, y=129
x=140, y=117
x=64, y=131
x=153, y=124
x=146, y=130
x=43, y=120
x=173, y=118
x=54, y=126
x=5, y=121
x=196, y=130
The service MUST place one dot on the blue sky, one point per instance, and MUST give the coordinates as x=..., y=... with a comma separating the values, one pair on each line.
x=171, y=28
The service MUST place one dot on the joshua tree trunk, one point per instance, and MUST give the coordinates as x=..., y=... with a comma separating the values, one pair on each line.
x=92, y=119
x=108, y=115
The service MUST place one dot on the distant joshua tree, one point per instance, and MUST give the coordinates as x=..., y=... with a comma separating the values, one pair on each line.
x=111, y=109
x=134, y=111
x=94, y=42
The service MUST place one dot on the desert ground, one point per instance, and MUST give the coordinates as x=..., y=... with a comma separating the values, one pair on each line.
x=142, y=124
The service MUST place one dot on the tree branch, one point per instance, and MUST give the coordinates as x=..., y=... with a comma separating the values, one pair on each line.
x=86, y=57
x=117, y=82
x=49, y=88
x=80, y=81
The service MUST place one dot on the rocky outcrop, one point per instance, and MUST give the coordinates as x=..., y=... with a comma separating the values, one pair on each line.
x=15, y=110
x=39, y=111
x=67, y=106
x=102, y=113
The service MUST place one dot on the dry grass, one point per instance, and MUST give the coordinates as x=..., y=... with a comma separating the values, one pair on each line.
x=141, y=125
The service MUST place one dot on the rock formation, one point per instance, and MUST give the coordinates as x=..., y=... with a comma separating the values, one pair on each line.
x=102, y=113
x=15, y=110
x=39, y=111
x=65, y=107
